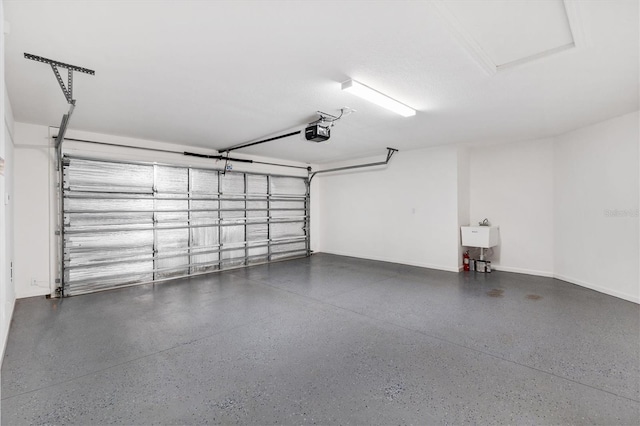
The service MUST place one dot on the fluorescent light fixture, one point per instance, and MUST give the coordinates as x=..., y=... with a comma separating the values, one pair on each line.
x=366, y=92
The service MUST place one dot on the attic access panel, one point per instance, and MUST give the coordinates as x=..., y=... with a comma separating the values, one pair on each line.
x=133, y=223
x=505, y=33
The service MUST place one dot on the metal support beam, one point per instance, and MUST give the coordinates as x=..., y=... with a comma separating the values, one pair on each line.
x=63, y=126
x=61, y=208
x=307, y=222
x=67, y=90
x=155, y=222
x=246, y=229
x=61, y=224
x=269, y=217
x=69, y=85
x=59, y=64
x=190, y=240
x=390, y=152
x=220, y=175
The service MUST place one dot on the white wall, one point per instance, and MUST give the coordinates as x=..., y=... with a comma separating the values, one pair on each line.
x=7, y=289
x=464, y=194
x=406, y=212
x=36, y=265
x=7, y=292
x=369, y=214
x=512, y=186
x=32, y=211
x=567, y=206
x=596, y=200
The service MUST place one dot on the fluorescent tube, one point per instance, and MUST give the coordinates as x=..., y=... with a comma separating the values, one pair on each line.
x=377, y=98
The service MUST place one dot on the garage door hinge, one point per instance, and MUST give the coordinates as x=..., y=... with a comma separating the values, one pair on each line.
x=57, y=232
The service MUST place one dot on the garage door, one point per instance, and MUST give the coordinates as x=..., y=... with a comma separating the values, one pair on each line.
x=131, y=223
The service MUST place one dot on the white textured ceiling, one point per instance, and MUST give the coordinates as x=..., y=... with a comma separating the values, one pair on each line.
x=215, y=73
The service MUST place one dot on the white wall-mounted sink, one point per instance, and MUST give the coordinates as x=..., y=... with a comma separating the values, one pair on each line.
x=480, y=236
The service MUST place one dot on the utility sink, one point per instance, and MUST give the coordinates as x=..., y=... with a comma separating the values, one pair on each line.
x=480, y=236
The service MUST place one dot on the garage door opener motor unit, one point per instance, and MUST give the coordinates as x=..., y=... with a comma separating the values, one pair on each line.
x=317, y=133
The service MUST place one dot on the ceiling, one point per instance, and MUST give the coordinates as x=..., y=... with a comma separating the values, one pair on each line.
x=219, y=73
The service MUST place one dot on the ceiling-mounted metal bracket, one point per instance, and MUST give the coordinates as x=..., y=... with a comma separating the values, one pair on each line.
x=67, y=90
x=390, y=152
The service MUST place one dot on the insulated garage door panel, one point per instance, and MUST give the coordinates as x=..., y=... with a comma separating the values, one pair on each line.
x=131, y=223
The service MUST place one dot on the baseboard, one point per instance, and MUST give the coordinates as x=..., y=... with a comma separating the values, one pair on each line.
x=629, y=297
x=523, y=271
x=32, y=291
x=392, y=260
x=535, y=272
x=6, y=337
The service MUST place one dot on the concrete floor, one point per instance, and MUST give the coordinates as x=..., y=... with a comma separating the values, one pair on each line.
x=327, y=340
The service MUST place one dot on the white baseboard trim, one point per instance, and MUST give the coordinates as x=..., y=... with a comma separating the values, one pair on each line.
x=6, y=337
x=391, y=260
x=32, y=291
x=523, y=271
x=629, y=297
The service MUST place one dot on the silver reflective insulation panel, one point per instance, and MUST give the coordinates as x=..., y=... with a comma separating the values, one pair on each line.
x=127, y=223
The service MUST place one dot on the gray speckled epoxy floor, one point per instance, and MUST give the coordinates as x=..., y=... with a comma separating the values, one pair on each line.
x=327, y=340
